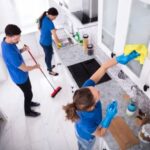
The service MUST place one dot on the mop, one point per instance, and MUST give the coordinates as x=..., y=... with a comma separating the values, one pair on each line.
x=54, y=93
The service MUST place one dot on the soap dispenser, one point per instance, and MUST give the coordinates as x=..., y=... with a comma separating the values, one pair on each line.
x=131, y=108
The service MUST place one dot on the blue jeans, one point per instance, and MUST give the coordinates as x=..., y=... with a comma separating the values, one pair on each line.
x=84, y=144
x=48, y=50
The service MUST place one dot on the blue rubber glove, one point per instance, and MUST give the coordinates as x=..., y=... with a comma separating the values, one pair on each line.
x=122, y=59
x=111, y=111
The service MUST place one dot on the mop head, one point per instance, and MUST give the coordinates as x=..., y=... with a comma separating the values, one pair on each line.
x=139, y=48
x=56, y=91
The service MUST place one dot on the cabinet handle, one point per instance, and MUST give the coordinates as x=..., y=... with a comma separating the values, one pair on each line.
x=113, y=54
x=104, y=149
x=60, y=4
x=145, y=87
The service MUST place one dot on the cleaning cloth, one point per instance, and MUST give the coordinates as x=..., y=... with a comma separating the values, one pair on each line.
x=140, y=48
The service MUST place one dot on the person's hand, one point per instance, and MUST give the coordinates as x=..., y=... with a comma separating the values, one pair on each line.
x=112, y=109
x=122, y=59
x=25, y=48
x=59, y=44
x=37, y=66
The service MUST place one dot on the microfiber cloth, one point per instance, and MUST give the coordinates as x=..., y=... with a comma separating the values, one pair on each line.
x=140, y=48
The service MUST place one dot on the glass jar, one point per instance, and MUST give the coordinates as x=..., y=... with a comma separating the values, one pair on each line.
x=85, y=42
x=144, y=134
x=90, y=49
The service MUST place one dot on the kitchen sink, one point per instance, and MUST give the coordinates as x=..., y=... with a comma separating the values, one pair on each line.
x=84, y=70
x=65, y=38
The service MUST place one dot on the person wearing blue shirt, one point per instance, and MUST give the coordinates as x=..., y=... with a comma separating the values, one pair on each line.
x=86, y=109
x=17, y=68
x=48, y=30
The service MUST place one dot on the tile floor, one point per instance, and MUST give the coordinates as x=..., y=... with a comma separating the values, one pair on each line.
x=50, y=131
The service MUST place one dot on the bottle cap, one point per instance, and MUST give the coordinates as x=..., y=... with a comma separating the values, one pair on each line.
x=85, y=35
x=90, y=46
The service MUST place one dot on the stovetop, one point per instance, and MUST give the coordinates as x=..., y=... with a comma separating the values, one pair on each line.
x=84, y=70
x=83, y=17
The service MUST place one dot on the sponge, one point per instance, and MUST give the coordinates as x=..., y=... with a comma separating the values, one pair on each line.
x=140, y=48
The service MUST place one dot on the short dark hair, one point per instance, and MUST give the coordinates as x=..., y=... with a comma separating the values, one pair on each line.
x=12, y=30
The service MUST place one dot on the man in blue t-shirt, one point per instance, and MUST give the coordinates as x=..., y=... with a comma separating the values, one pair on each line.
x=17, y=68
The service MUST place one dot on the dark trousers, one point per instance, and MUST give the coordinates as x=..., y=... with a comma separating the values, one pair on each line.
x=27, y=91
x=48, y=50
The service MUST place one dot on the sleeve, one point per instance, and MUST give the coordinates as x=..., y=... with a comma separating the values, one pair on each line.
x=88, y=82
x=14, y=59
x=50, y=25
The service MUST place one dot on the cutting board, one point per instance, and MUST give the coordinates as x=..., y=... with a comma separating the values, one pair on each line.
x=122, y=133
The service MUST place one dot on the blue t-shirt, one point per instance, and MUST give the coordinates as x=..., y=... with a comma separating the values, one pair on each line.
x=88, y=120
x=46, y=27
x=13, y=59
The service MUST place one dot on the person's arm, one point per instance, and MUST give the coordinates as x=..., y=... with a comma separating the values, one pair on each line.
x=25, y=68
x=121, y=59
x=100, y=131
x=56, y=39
x=102, y=70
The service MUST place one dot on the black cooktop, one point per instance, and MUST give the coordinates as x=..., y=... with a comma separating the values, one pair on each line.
x=84, y=70
x=83, y=17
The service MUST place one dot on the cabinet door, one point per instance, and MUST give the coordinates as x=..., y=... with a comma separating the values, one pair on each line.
x=102, y=144
x=3, y=72
x=107, y=23
x=138, y=30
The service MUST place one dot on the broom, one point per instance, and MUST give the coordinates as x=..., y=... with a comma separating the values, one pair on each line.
x=55, y=90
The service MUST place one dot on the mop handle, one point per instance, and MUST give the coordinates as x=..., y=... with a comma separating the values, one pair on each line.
x=40, y=68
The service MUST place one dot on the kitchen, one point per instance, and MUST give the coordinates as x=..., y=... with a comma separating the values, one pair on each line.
x=119, y=24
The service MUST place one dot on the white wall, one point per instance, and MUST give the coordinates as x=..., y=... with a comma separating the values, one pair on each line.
x=8, y=14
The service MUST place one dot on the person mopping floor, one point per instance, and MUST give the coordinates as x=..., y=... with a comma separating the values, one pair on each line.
x=17, y=68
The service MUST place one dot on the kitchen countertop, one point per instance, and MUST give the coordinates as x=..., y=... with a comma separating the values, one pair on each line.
x=113, y=89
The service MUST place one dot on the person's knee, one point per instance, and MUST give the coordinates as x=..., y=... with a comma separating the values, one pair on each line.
x=29, y=95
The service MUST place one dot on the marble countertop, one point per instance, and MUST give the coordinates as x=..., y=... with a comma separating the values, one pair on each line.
x=110, y=90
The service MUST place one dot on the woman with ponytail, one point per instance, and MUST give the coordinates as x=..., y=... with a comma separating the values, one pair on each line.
x=48, y=30
x=86, y=111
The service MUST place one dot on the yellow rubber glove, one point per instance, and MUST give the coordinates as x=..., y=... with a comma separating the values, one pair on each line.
x=59, y=45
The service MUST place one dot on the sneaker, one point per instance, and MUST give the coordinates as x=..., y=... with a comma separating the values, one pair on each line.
x=34, y=104
x=53, y=73
x=53, y=66
x=32, y=114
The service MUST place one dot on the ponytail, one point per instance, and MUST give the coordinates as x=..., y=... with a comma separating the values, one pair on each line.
x=70, y=110
x=83, y=99
x=51, y=11
x=41, y=18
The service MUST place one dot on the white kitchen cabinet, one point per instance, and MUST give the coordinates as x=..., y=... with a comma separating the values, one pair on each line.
x=102, y=144
x=126, y=22
x=70, y=5
x=3, y=72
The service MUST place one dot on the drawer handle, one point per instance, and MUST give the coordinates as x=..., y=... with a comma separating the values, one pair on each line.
x=145, y=87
